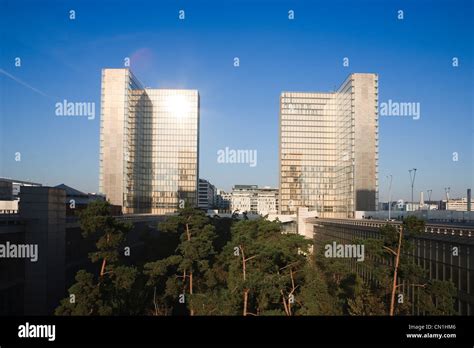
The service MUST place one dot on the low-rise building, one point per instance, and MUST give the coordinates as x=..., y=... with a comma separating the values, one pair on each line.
x=10, y=194
x=77, y=200
x=251, y=199
x=457, y=204
x=54, y=249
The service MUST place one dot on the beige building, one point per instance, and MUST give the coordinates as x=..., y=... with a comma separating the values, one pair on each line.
x=458, y=204
x=149, y=144
x=329, y=148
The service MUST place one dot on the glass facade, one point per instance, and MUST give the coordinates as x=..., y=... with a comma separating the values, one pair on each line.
x=149, y=144
x=325, y=140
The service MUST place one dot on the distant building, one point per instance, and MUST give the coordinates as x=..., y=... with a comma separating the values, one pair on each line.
x=206, y=195
x=251, y=199
x=243, y=198
x=223, y=200
x=267, y=201
x=457, y=204
x=430, y=205
x=77, y=200
x=10, y=194
x=409, y=206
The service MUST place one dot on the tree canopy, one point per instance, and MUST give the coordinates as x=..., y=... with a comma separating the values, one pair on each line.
x=198, y=265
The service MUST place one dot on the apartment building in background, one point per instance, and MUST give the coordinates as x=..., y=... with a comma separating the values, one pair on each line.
x=223, y=200
x=207, y=195
x=149, y=145
x=252, y=199
x=458, y=204
x=329, y=149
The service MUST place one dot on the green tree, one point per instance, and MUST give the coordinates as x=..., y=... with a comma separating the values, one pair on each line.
x=392, y=264
x=184, y=272
x=115, y=289
x=437, y=298
x=96, y=221
x=264, y=266
x=360, y=297
x=314, y=297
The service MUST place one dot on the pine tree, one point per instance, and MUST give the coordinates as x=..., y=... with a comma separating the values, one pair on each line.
x=314, y=297
x=184, y=273
x=114, y=289
x=392, y=264
x=264, y=266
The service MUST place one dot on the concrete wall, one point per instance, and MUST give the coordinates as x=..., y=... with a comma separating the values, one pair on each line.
x=44, y=211
x=305, y=229
x=112, y=120
x=365, y=140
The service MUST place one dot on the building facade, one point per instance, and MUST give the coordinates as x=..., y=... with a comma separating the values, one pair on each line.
x=329, y=149
x=223, y=200
x=36, y=286
x=267, y=201
x=458, y=204
x=149, y=145
x=252, y=199
x=206, y=195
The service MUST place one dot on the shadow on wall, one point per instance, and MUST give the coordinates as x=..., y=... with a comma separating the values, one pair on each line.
x=365, y=200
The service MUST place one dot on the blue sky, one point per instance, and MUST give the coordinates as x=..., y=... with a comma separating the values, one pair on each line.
x=62, y=59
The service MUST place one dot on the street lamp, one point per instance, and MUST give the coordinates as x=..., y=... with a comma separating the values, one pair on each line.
x=389, y=195
x=412, y=179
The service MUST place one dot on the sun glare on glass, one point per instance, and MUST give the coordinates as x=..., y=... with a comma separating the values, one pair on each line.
x=177, y=105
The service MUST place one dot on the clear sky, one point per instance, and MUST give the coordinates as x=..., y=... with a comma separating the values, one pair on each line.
x=62, y=59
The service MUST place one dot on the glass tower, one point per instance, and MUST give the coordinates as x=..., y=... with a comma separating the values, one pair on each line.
x=149, y=141
x=329, y=149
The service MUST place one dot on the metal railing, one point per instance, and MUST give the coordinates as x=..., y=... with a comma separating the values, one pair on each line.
x=461, y=231
x=74, y=220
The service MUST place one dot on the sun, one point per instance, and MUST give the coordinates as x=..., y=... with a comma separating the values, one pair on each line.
x=177, y=105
